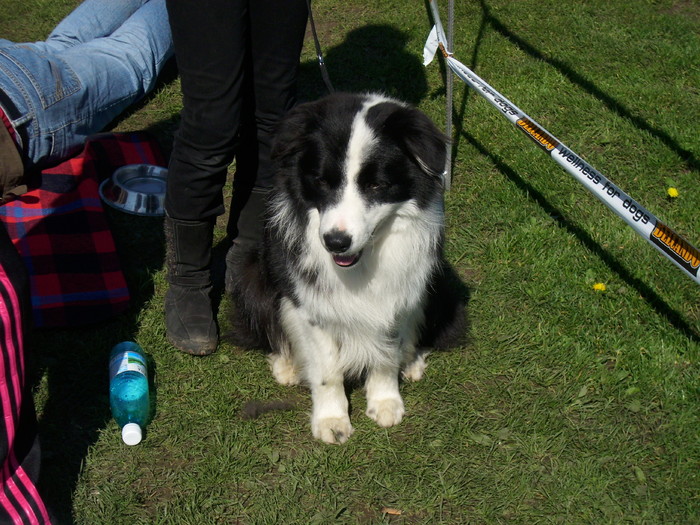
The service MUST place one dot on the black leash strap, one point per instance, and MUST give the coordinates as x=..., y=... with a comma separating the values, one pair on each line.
x=319, y=54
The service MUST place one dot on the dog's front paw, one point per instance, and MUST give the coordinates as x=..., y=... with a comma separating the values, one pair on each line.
x=283, y=370
x=333, y=430
x=415, y=369
x=386, y=412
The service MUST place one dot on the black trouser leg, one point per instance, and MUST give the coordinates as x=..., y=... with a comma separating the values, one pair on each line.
x=238, y=62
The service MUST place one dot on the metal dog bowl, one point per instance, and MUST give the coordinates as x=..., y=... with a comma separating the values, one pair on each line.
x=136, y=188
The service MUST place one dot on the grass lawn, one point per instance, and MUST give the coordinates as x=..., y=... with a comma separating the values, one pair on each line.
x=568, y=405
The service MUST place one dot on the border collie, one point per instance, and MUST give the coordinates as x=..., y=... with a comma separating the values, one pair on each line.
x=350, y=281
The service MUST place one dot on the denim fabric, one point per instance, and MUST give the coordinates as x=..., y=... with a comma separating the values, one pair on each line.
x=238, y=62
x=99, y=60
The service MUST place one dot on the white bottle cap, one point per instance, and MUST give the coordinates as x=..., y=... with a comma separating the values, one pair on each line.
x=131, y=434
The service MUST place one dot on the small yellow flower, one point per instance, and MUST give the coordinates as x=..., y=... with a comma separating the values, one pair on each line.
x=599, y=287
x=672, y=192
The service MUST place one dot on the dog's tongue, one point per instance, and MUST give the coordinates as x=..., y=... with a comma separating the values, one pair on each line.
x=345, y=260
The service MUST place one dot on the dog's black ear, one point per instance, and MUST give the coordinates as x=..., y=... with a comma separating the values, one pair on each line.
x=420, y=138
x=291, y=135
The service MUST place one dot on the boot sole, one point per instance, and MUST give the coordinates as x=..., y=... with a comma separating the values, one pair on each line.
x=190, y=347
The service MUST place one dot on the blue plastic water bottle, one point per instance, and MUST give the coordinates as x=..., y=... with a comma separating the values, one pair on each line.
x=128, y=390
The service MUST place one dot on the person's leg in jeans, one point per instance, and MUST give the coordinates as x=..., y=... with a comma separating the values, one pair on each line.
x=116, y=71
x=210, y=42
x=89, y=20
x=270, y=92
x=62, y=97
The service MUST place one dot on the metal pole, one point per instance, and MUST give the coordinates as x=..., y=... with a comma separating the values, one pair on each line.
x=449, y=87
x=659, y=235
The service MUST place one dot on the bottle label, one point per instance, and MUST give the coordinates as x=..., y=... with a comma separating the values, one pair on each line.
x=125, y=362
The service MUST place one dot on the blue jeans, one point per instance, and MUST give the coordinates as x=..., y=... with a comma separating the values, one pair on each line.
x=100, y=59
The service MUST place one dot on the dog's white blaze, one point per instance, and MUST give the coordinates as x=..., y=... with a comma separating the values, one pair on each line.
x=349, y=215
x=362, y=140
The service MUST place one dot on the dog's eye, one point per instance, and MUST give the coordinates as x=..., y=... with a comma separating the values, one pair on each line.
x=321, y=179
x=376, y=186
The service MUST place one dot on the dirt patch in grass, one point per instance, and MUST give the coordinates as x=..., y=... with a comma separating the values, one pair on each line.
x=686, y=8
x=328, y=28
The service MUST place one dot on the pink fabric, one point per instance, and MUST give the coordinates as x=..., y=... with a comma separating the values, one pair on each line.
x=18, y=494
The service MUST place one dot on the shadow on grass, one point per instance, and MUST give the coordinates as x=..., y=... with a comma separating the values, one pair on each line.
x=576, y=78
x=371, y=58
x=74, y=362
x=653, y=299
x=650, y=296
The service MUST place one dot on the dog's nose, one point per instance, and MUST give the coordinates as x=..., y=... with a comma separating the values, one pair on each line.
x=337, y=241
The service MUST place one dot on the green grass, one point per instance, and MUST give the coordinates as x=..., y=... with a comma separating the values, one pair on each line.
x=567, y=406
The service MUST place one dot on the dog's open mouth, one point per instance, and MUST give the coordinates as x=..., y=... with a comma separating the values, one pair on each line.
x=346, y=261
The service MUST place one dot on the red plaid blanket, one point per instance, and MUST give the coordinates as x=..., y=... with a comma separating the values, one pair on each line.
x=61, y=232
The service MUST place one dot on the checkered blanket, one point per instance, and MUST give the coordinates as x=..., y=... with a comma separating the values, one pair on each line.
x=61, y=231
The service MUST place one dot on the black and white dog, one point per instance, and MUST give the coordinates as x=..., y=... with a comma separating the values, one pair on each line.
x=350, y=280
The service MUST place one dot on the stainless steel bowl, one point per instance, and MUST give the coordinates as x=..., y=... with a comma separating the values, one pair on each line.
x=136, y=188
